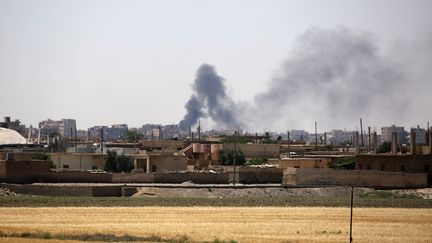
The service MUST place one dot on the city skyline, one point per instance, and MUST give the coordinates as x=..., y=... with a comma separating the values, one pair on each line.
x=105, y=62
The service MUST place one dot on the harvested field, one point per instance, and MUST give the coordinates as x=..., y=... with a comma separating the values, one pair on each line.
x=242, y=224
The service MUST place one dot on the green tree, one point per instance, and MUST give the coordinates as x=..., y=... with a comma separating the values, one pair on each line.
x=124, y=164
x=227, y=157
x=111, y=161
x=118, y=163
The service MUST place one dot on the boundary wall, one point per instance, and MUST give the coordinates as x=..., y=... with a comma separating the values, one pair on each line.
x=360, y=178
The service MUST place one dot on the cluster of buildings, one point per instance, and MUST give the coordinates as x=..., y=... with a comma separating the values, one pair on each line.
x=166, y=149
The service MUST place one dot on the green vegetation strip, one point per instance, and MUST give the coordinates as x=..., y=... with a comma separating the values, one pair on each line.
x=375, y=199
x=106, y=237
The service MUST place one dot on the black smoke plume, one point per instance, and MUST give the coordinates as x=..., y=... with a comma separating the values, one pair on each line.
x=209, y=99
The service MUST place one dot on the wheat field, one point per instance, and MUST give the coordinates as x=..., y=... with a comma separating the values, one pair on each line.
x=242, y=224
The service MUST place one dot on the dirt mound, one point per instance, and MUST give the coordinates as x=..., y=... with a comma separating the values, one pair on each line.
x=6, y=192
x=425, y=193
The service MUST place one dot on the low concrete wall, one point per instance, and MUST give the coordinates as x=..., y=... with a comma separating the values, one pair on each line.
x=77, y=191
x=132, y=178
x=199, y=178
x=77, y=177
x=260, y=175
x=68, y=190
x=23, y=171
x=373, y=179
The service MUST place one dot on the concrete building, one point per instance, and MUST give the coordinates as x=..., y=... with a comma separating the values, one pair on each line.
x=66, y=128
x=419, y=163
x=420, y=134
x=299, y=135
x=115, y=132
x=13, y=125
x=150, y=131
x=171, y=131
x=255, y=150
x=386, y=134
x=285, y=163
x=74, y=162
x=148, y=162
x=339, y=137
x=171, y=145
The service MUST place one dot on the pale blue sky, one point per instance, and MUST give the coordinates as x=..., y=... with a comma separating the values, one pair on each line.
x=106, y=62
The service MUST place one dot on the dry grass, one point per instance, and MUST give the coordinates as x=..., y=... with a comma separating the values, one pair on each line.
x=259, y=224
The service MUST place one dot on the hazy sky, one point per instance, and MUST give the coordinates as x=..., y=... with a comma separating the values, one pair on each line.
x=107, y=62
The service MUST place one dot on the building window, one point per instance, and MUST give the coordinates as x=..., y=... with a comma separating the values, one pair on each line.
x=153, y=168
x=360, y=166
x=65, y=166
x=402, y=167
x=427, y=168
x=382, y=167
x=368, y=167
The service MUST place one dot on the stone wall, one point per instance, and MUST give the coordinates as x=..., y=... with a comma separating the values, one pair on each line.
x=255, y=150
x=67, y=190
x=132, y=178
x=23, y=171
x=260, y=175
x=373, y=179
x=77, y=177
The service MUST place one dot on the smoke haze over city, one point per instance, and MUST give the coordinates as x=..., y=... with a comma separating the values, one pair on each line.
x=339, y=73
x=260, y=66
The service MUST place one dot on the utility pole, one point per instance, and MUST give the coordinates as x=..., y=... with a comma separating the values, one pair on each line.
x=199, y=131
x=101, y=138
x=76, y=147
x=361, y=132
x=316, y=137
x=235, y=157
x=369, y=137
x=351, y=214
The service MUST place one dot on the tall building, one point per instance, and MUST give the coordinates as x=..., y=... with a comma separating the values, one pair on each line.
x=66, y=128
x=386, y=134
x=115, y=132
x=13, y=125
x=299, y=135
x=340, y=137
x=420, y=135
x=171, y=131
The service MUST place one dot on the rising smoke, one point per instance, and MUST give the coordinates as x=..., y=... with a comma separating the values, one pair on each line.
x=209, y=99
x=331, y=75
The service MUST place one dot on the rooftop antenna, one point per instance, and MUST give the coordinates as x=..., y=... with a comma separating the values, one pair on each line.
x=199, y=131
x=361, y=132
x=316, y=137
x=369, y=137
x=39, y=135
x=101, y=139
x=235, y=157
x=76, y=149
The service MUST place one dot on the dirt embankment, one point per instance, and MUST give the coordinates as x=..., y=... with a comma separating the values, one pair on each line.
x=425, y=193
